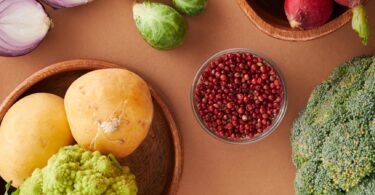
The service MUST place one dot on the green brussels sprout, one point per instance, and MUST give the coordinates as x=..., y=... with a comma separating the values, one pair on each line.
x=190, y=7
x=160, y=25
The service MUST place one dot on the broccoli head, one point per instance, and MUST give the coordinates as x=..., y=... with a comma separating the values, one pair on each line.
x=333, y=139
x=76, y=171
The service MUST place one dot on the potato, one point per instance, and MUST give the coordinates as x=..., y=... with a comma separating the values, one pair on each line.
x=109, y=110
x=32, y=130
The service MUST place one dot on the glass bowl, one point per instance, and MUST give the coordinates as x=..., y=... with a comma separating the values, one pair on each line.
x=266, y=132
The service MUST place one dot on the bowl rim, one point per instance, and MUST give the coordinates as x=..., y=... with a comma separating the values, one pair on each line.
x=275, y=123
x=294, y=35
x=92, y=64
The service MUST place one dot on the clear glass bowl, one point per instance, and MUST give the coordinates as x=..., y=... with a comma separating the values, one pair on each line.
x=269, y=129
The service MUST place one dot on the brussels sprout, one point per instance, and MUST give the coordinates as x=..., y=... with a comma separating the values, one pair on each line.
x=160, y=25
x=190, y=7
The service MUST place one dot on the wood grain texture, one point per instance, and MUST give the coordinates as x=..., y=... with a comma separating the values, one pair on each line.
x=269, y=17
x=157, y=163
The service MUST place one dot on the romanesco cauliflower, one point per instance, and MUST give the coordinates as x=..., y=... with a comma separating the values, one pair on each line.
x=76, y=171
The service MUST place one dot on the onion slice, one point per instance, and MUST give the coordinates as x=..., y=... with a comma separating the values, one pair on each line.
x=66, y=3
x=23, y=25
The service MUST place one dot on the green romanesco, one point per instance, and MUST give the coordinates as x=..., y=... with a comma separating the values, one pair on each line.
x=76, y=171
x=333, y=140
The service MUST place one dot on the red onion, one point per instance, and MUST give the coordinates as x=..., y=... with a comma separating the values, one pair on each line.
x=66, y=3
x=23, y=25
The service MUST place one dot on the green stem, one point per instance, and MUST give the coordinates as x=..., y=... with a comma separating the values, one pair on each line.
x=360, y=23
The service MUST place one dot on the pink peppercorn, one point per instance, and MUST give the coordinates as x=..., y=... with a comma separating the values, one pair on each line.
x=238, y=95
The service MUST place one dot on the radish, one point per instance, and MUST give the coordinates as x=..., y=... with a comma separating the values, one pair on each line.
x=349, y=3
x=308, y=14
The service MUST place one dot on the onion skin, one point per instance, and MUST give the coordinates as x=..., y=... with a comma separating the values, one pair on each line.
x=349, y=3
x=308, y=14
x=23, y=25
x=58, y=4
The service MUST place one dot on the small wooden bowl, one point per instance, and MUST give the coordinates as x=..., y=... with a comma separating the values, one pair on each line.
x=269, y=17
x=157, y=163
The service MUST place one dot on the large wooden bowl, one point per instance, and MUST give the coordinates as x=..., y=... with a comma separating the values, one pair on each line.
x=157, y=163
x=269, y=17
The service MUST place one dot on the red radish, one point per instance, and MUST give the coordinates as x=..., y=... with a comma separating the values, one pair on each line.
x=349, y=3
x=308, y=14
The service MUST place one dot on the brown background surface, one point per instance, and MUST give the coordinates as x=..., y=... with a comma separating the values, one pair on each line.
x=105, y=30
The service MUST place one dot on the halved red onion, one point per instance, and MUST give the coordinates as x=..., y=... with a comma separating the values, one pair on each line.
x=23, y=25
x=66, y=3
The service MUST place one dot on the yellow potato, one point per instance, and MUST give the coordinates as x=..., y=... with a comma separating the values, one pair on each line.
x=109, y=110
x=32, y=130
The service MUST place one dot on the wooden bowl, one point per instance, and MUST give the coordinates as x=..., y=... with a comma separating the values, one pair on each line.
x=269, y=17
x=157, y=163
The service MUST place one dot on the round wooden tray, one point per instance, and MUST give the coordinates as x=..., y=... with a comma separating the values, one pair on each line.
x=269, y=17
x=157, y=163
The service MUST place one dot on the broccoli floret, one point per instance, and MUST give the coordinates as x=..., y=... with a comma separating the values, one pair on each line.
x=312, y=179
x=305, y=178
x=319, y=95
x=308, y=144
x=369, y=86
x=348, y=154
x=354, y=67
x=333, y=139
x=324, y=184
x=75, y=171
x=366, y=187
x=361, y=107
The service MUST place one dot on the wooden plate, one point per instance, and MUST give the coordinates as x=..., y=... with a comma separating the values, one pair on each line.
x=269, y=17
x=157, y=163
